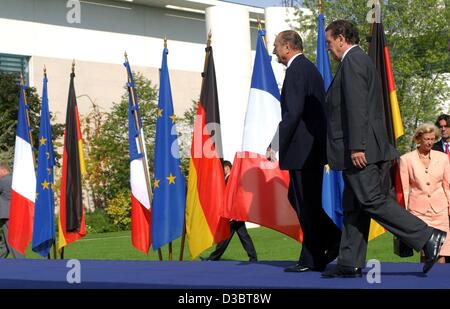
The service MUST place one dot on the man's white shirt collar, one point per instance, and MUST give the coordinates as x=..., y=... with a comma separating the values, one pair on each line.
x=292, y=59
x=345, y=53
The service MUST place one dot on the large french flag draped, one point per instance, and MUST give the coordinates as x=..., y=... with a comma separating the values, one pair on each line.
x=169, y=185
x=72, y=225
x=44, y=213
x=23, y=190
x=139, y=173
x=257, y=189
x=206, y=184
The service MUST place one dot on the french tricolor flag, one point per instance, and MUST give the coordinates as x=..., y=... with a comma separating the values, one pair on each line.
x=23, y=191
x=257, y=190
x=141, y=194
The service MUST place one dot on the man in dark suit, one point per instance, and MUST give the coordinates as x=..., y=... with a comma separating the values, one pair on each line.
x=235, y=227
x=443, y=145
x=5, y=197
x=443, y=123
x=357, y=144
x=301, y=141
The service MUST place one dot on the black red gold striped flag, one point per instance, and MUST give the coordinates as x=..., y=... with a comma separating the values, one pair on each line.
x=71, y=217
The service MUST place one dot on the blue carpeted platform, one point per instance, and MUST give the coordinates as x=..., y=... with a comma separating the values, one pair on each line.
x=211, y=275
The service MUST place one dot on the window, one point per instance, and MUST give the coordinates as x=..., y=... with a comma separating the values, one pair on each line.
x=15, y=64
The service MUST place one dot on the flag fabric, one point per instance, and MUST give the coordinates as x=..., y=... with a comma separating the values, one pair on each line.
x=257, y=189
x=71, y=223
x=332, y=193
x=206, y=184
x=141, y=193
x=23, y=190
x=333, y=182
x=379, y=53
x=169, y=186
x=44, y=211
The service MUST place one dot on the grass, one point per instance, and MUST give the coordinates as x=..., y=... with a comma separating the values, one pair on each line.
x=270, y=246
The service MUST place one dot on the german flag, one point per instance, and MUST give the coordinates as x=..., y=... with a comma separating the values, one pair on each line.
x=206, y=184
x=379, y=53
x=71, y=214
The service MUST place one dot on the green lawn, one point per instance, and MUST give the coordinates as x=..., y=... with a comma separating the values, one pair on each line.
x=270, y=246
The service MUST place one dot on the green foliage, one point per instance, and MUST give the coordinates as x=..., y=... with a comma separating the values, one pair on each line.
x=108, y=160
x=99, y=222
x=185, y=127
x=119, y=209
x=417, y=33
x=9, y=102
x=107, y=152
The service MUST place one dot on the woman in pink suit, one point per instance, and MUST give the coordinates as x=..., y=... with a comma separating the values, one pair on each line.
x=425, y=176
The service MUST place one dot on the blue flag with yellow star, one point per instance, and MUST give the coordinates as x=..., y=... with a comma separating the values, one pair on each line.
x=44, y=211
x=333, y=183
x=169, y=187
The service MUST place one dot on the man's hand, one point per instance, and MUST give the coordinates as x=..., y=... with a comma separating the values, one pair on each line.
x=270, y=154
x=359, y=159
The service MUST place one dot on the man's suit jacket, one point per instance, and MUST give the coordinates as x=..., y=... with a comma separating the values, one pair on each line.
x=426, y=188
x=438, y=146
x=5, y=195
x=355, y=113
x=302, y=130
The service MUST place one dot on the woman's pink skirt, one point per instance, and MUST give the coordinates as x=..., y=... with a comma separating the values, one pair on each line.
x=439, y=221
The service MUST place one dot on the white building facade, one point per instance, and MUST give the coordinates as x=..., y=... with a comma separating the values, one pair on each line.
x=97, y=33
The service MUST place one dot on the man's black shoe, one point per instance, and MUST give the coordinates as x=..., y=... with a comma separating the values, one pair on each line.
x=298, y=268
x=341, y=271
x=253, y=260
x=432, y=248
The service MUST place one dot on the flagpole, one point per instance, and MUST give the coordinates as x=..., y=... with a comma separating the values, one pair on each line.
x=372, y=20
x=208, y=45
x=183, y=238
x=320, y=7
x=141, y=146
x=54, y=241
x=61, y=253
x=27, y=113
x=170, y=243
x=264, y=36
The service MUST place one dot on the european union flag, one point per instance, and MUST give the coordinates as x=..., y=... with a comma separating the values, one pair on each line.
x=169, y=187
x=333, y=183
x=44, y=211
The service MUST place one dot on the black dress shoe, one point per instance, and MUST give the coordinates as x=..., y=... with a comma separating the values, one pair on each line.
x=432, y=248
x=341, y=271
x=298, y=268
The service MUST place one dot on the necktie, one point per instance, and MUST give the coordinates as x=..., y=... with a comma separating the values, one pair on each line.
x=447, y=150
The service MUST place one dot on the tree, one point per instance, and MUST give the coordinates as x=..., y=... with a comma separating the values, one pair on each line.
x=417, y=33
x=108, y=159
x=9, y=103
x=107, y=153
x=185, y=127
